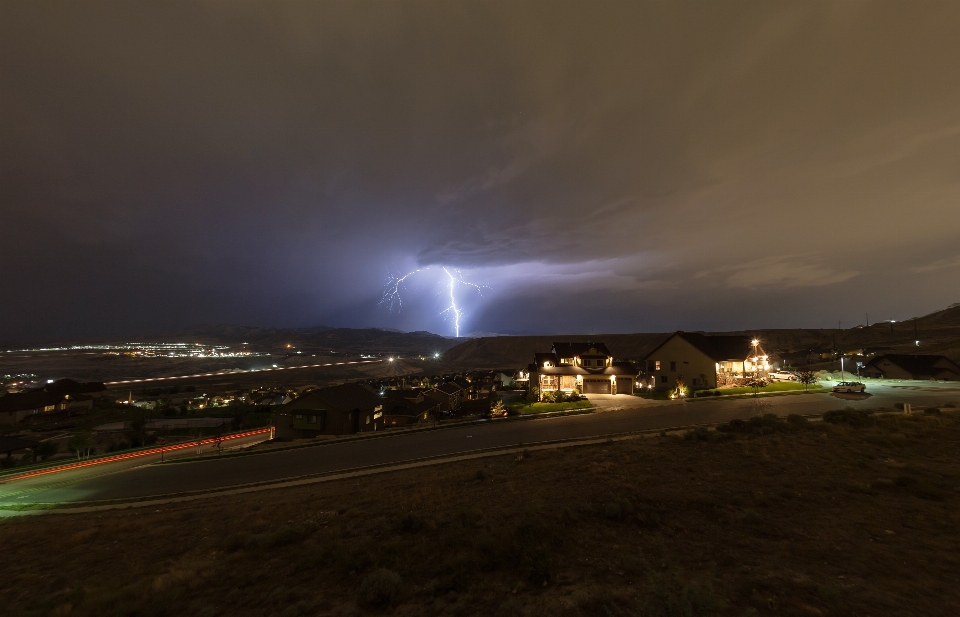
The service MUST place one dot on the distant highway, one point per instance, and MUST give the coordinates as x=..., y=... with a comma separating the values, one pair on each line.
x=618, y=414
x=236, y=372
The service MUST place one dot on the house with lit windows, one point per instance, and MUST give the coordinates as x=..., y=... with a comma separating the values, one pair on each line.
x=587, y=367
x=705, y=361
x=338, y=410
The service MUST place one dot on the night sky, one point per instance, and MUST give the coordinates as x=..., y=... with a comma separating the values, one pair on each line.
x=600, y=167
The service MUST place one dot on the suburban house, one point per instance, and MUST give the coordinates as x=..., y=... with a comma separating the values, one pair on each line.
x=448, y=395
x=588, y=367
x=338, y=410
x=705, y=361
x=405, y=407
x=62, y=397
x=906, y=366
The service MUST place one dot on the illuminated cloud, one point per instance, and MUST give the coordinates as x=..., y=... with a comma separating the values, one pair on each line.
x=647, y=166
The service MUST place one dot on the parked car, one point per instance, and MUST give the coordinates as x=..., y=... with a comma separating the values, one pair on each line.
x=782, y=375
x=849, y=386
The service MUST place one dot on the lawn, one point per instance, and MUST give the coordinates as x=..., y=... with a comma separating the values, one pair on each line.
x=529, y=408
x=777, y=386
x=860, y=517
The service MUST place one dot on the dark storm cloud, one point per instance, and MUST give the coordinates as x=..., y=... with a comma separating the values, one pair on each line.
x=616, y=166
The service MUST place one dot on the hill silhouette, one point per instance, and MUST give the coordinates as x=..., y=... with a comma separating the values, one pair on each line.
x=938, y=332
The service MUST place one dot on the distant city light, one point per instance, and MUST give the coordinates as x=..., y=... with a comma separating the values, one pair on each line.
x=150, y=350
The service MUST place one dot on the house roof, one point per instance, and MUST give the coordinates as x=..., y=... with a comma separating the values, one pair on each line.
x=34, y=399
x=11, y=444
x=618, y=368
x=915, y=364
x=540, y=358
x=571, y=350
x=717, y=348
x=449, y=388
x=345, y=397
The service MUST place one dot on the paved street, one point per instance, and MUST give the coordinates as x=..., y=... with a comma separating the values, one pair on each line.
x=616, y=414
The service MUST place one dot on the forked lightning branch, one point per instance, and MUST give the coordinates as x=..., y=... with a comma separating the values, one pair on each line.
x=451, y=280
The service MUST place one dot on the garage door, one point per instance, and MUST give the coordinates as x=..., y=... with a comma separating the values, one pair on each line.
x=596, y=386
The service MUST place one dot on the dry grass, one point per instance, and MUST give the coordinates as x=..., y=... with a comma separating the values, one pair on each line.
x=814, y=519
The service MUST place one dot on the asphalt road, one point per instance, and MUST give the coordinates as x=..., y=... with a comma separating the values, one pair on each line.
x=617, y=414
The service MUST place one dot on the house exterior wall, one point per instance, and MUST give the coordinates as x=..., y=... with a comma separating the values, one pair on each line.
x=888, y=370
x=307, y=417
x=676, y=357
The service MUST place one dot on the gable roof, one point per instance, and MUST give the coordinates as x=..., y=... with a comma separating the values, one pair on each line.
x=717, y=348
x=449, y=388
x=11, y=444
x=571, y=350
x=345, y=397
x=916, y=364
x=540, y=358
x=33, y=399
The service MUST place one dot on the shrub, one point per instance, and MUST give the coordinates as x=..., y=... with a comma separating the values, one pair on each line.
x=410, y=522
x=850, y=417
x=932, y=411
x=759, y=425
x=702, y=434
x=380, y=588
x=796, y=419
x=619, y=509
x=282, y=535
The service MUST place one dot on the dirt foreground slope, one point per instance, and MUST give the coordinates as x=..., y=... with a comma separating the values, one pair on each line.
x=856, y=518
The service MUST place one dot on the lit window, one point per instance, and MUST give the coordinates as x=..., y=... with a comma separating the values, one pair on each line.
x=657, y=368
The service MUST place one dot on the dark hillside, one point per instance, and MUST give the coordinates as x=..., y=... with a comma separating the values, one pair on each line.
x=938, y=332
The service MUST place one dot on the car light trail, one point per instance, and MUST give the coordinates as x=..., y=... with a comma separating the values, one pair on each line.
x=236, y=372
x=130, y=455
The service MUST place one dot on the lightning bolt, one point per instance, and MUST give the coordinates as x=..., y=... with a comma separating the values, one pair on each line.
x=392, y=299
x=391, y=291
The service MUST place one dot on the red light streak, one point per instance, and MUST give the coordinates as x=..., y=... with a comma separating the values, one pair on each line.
x=122, y=457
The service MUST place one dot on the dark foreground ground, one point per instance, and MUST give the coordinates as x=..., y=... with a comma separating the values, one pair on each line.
x=806, y=519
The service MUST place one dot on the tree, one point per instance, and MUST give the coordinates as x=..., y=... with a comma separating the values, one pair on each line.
x=533, y=392
x=498, y=410
x=807, y=378
x=756, y=382
x=80, y=443
x=45, y=449
x=680, y=389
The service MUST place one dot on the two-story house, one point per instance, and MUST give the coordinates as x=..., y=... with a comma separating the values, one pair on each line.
x=337, y=410
x=588, y=367
x=706, y=361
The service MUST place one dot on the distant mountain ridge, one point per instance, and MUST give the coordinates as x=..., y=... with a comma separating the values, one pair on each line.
x=939, y=333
